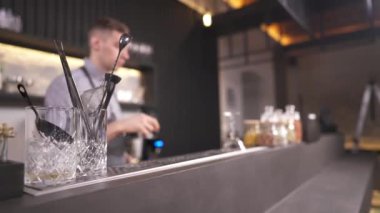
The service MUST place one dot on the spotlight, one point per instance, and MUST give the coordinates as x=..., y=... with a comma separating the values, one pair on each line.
x=207, y=19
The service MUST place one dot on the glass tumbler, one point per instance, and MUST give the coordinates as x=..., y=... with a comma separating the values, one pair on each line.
x=50, y=158
x=92, y=146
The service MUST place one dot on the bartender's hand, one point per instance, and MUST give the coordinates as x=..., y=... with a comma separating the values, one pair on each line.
x=139, y=123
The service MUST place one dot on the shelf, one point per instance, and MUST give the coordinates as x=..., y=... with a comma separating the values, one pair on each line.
x=28, y=41
x=15, y=100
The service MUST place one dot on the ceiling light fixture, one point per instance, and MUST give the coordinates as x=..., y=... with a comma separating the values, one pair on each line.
x=207, y=19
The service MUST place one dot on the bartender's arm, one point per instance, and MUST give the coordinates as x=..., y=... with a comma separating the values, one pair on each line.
x=139, y=123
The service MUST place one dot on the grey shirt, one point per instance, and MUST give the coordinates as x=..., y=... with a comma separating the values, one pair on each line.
x=58, y=95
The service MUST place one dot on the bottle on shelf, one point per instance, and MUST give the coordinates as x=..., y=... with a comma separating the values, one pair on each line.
x=266, y=137
x=290, y=123
x=232, y=140
x=252, y=132
x=278, y=128
x=298, y=127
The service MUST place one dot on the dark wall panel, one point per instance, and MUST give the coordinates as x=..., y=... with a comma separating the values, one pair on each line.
x=40, y=18
x=50, y=22
x=29, y=17
x=67, y=20
x=186, y=91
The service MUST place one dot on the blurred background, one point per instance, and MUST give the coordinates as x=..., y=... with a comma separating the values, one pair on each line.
x=194, y=60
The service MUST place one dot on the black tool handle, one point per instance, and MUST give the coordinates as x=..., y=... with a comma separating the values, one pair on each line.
x=110, y=88
x=74, y=95
x=21, y=88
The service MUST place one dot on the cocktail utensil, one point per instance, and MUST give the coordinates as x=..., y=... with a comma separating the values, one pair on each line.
x=124, y=40
x=44, y=127
x=109, y=86
x=113, y=80
x=75, y=99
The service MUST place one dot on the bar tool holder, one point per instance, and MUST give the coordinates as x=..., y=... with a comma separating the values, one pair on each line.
x=11, y=172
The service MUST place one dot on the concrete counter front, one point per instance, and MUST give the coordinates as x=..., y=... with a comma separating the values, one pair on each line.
x=253, y=181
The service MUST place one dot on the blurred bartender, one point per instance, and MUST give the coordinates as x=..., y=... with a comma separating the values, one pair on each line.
x=103, y=41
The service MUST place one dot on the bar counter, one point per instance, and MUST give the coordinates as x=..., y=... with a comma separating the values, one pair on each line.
x=256, y=180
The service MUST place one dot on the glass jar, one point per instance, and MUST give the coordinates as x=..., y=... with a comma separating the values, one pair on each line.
x=266, y=137
x=252, y=132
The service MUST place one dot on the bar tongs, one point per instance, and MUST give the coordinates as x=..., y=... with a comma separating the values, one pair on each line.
x=75, y=98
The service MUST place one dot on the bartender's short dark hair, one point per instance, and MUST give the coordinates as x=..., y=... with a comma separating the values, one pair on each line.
x=108, y=23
